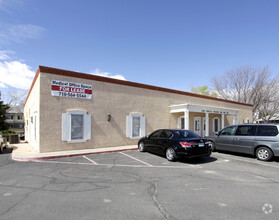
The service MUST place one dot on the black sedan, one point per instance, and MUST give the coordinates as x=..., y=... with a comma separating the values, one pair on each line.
x=175, y=144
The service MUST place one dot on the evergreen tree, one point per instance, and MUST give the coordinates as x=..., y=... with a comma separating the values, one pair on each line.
x=3, y=109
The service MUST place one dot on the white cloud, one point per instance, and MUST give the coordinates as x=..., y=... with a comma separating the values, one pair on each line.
x=107, y=74
x=24, y=31
x=4, y=54
x=16, y=74
x=18, y=33
x=8, y=5
x=2, y=85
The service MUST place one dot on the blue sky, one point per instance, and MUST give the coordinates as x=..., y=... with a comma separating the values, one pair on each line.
x=176, y=44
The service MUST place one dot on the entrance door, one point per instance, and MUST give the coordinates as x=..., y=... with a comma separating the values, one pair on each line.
x=197, y=125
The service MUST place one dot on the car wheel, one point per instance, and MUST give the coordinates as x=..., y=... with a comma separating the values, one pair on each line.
x=264, y=153
x=212, y=145
x=141, y=147
x=170, y=154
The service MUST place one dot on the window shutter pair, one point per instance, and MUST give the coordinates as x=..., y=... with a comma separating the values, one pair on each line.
x=66, y=125
x=129, y=125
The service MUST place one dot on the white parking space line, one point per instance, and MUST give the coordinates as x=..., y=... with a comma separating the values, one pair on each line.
x=92, y=161
x=61, y=162
x=136, y=159
x=116, y=165
x=250, y=160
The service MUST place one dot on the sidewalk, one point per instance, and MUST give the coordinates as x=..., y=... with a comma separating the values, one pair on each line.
x=24, y=152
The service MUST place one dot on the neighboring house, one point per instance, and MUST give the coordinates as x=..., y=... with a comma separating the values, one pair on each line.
x=68, y=110
x=15, y=121
x=273, y=119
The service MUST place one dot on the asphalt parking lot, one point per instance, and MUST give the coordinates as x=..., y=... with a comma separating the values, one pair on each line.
x=134, y=185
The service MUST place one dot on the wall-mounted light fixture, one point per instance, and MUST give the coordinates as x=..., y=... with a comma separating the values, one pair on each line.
x=109, y=117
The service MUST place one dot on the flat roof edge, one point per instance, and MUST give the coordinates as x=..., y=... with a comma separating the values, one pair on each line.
x=32, y=85
x=75, y=74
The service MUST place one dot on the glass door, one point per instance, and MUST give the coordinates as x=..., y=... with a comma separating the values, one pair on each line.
x=197, y=125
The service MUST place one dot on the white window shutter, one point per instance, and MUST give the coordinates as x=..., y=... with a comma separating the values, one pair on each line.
x=87, y=127
x=142, y=126
x=129, y=126
x=66, y=127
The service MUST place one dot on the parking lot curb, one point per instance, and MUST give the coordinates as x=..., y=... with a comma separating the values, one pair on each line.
x=39, y=158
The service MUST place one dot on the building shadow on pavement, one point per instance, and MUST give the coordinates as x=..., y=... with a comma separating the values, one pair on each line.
x=195, y=160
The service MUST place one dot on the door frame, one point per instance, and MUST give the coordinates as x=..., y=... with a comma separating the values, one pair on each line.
x=198, y=129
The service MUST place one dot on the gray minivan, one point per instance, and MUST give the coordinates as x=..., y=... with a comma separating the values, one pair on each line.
x=261, y=140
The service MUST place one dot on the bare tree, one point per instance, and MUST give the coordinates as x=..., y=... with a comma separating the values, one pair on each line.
x=16, y=99
x=270, y=102
x=250, y=85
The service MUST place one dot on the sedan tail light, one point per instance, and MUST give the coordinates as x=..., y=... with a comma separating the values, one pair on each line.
x=185, y=144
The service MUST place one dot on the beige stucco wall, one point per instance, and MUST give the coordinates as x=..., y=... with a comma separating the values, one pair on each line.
x=32, y=111
x=119, y=101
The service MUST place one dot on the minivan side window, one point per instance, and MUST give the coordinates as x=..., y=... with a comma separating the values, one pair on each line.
x=246, y=130
x=267, y=131
x=228, y=131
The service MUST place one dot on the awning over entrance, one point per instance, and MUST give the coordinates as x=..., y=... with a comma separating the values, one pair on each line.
x=186, y=108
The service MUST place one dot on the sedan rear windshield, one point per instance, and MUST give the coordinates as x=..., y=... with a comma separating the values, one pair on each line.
x=186, y=134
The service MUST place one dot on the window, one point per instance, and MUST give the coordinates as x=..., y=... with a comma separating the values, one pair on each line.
x=185, y=134
x=76, y=126
x=228, y=131
x=161, y=134
x=166, y=134
x=11, y=117
x=197, y=125
x=267, y=131
x=135, y=125
x=181, y=122
x=246, y=130
x=156, y=134
x=216, y=124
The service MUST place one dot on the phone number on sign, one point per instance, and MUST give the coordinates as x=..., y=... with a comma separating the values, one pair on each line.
x=72, y=95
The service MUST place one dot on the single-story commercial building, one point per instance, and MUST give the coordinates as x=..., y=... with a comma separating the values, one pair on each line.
x=68, y=110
